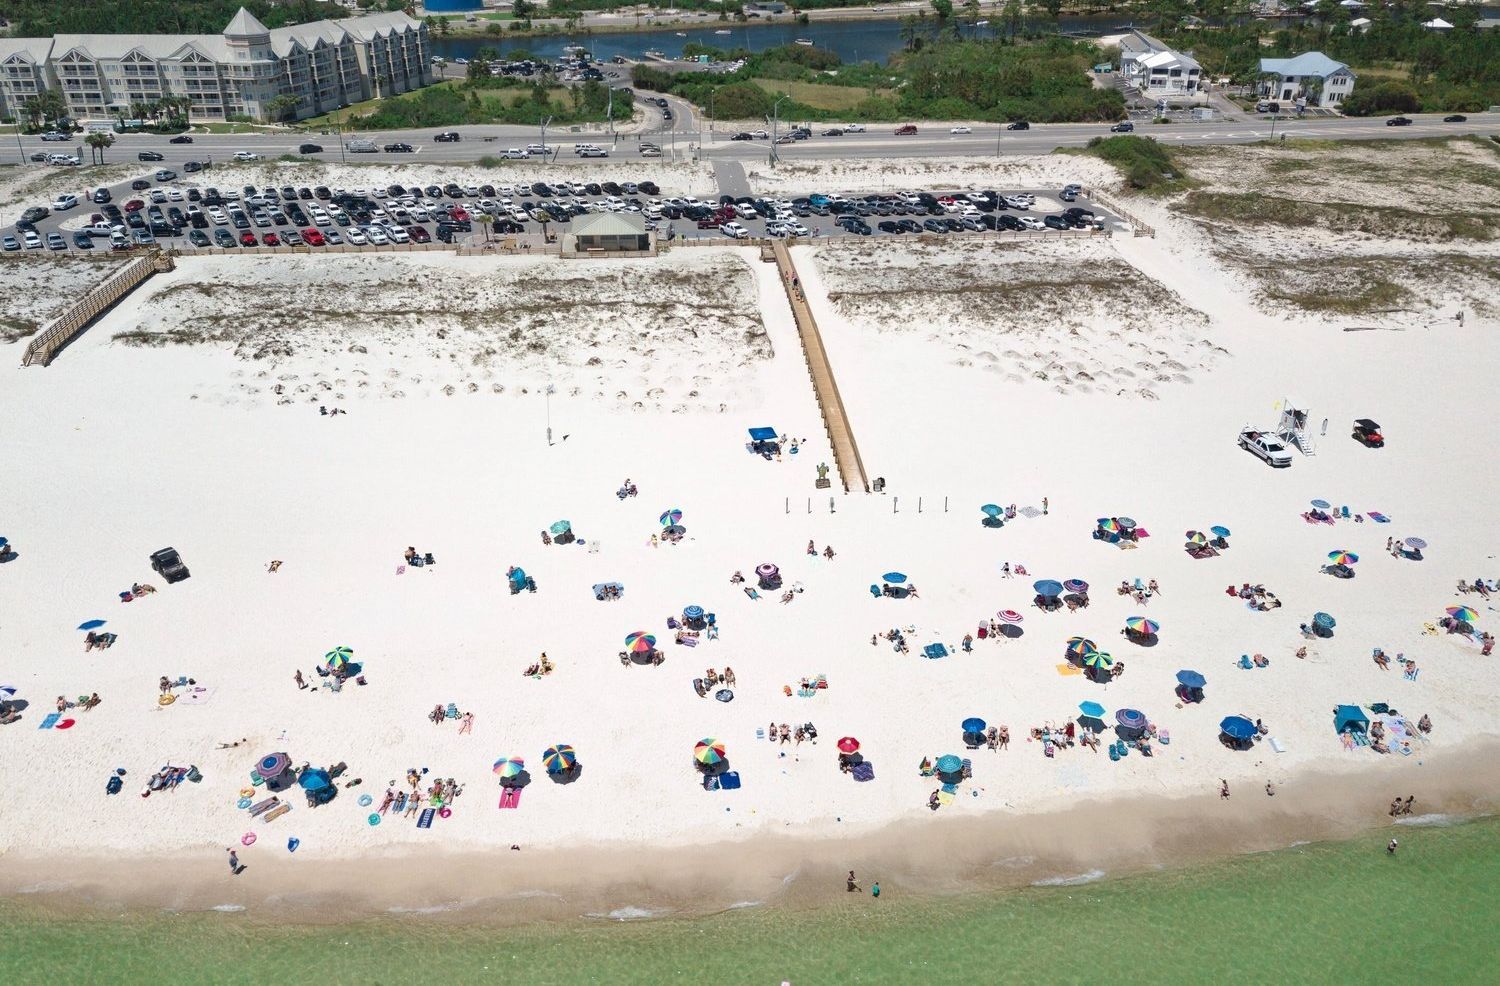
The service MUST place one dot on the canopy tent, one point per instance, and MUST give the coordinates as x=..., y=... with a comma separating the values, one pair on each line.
x=1350, y=718
x=763, y=434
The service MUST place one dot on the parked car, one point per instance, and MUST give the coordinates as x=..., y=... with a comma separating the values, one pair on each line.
x=198, y=238
x=165, y=174
x=83, y=241
x=1266, y=447
x=735, y=230
x=168, y=564
x=10, y=242
x=224, y=238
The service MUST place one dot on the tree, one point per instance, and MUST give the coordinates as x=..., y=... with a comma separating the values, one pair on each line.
x=442, y=27
x=1012, y=15
x=46, y=105
x=1053, y=7
x=98, y=142
x=1312, y=88
x=486, y=220
x=943, y=9
x=280, y=108
x=971, y=12
x=524, y=10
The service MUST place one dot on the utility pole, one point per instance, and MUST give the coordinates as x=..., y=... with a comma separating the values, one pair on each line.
x=338, y=129
x=544, y=134
x=19, y=146
x=609, y=114
x=775, y=126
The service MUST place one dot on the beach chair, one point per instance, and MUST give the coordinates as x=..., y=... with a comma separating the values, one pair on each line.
x=875, y=591
x=451, y=712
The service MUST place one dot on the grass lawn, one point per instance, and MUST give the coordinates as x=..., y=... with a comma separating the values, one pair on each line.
x=490, y=99
x=820, y=96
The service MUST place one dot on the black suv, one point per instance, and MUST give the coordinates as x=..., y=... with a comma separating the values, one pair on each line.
x=399, y=148
x=448, y=137
x=1019, y=125
x=310, y=149
x=168, y=564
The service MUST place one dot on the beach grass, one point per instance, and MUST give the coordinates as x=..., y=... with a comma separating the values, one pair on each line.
x=1324, y=913
x=1264, y=209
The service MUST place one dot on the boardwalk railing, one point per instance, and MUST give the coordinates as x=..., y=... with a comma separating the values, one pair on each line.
x=61, y=330
x=835, y=418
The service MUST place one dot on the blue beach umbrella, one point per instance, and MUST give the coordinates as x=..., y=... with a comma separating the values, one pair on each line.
x=1321, y=504
x=949, y=764
x=974, y=724
x=1091, y=709
x=1325, y=621
x=1131, y=718
x=895, y=578
x=1047, y=587
x=991, y=510
x=1237, y=727
x=91, y=625
x=693, y=612
x=1191, y=679
x=1220, y=531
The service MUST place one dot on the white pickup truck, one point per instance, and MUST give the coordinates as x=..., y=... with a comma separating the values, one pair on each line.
x=1266, y=446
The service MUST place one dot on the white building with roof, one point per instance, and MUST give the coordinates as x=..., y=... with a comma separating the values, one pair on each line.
x=1287, y=79
x=241, y=72
x=1157, y=70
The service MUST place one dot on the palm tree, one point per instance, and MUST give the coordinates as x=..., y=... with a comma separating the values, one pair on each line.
x=98, y=142
x=487, y=220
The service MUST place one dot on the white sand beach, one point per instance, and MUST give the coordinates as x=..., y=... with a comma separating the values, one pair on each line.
x=1108, y=376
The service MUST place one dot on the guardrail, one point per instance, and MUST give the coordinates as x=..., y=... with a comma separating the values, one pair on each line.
x=62, y=329
x=1137, y=227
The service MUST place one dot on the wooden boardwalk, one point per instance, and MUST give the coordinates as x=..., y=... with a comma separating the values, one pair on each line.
x=835, y=419
x=61, y=330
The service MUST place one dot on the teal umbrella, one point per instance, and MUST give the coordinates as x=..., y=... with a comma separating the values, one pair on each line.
x=1091, y=709
x=991, y=510
x=949, y=764
x=562, y=527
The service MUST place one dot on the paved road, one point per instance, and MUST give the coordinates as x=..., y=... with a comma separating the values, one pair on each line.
x=686, y=139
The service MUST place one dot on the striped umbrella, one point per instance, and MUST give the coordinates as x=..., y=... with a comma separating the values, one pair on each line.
x=509, y=767
x=6, y=691
x=693, y=612
x=848, y=745
x=1417, y=543
x=1342, y=557
x=949, y=764
x=559, y=759
x=1463, y=614
x=1196, y=537
x=1076, y=585
x=1141, y=625
x=1098, y=660
x=338, y=657
x=709, y=752
x=670, y=517
x=640, y=642
x=1131, y=718
x=1126, y=523
x=1009, y=616
x=272, y=765
x=767, y=571
x=1081, y=646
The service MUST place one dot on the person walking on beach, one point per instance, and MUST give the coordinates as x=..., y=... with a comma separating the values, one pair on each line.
x=828, y=552
x=468, y=724
x=301, y=685
x=853, y=885
x=1044, y=506
x=1270, y=791
x=1406, y=808
x=1223, y=789
x=234, y=862
x=875, y=889
x=968, y=643
x=1005, y=570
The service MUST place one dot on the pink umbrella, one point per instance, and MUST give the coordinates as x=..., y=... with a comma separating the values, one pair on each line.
x=1009, y=616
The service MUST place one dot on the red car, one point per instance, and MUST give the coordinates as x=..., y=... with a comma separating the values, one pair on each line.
x=460, y=213
x=247, y=239
x=134, y=205
x=270, y=239
x=908, y=130
x=312, y=237
x=419, y=234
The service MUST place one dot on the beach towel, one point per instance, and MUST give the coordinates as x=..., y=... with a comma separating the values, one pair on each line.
x=760, y=733
x=277, y=812
x=689, y=641
x=1378, y=517
x=1164, y=736
x=945, y=797
x=863, y=771
x=198, y=695
x=1066, y=669
x=424, y=820
x=1141, y=532
x=751, y=593
x=710, y=783
x=510, y=797
x=400, y=569
x=50, y=721
x=935, y=651
x=1276, y=744
x=730, y=781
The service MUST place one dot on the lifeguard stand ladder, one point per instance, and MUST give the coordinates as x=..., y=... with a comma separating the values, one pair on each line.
x=1293, y=429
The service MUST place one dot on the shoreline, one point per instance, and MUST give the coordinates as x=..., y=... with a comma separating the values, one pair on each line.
x=1095, y=839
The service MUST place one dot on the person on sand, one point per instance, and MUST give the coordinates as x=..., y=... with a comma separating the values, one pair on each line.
x=275, y=565
x=875, y=889
x=1270, y=791
x=1223, y=789
x=1004, y=737
x=1044, y=506
x=546, y=539
x=853, y=885
x=93, y=700
x=1424, y=724
x=1005, y=570
x=786, y=733
x=301, y=685
x=812, y=549
x=1406, y=808
x=771, y=732
x=1395, y=807
x=736, y=578
x=933, y=800
x=1391, y=847
x=467, y=725
x=164, y=685
x=1381, y=660
x=968, y=642
x=234, y=861
x=828, y=552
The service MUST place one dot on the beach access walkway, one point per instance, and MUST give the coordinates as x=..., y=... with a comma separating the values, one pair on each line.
x=835, y=418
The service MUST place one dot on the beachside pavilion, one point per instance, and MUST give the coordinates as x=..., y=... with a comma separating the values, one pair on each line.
x=604, y=233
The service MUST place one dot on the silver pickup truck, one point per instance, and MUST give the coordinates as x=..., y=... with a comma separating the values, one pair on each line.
x=1266, y=446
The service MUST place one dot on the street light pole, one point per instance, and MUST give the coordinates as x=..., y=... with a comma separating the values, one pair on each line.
x=775, y=126
x=550, y=391
x=19, y=146
x=545, y=121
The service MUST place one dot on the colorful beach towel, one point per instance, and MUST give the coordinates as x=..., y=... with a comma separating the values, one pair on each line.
x=424, y=820
x=50, y=721
x=1377, y=517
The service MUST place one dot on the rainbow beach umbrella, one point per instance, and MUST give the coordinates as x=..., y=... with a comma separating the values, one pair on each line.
x=1342, y=557
x=1098, y=659
x=559, y=759
x=509, y=768
x=337, y=658
x=1196, y=537
x=1141, y=625
x=670, y=517
x=1463, y=614
x=1108, y=524
x=640, y=642
x=1081, y=646
x=709, y=752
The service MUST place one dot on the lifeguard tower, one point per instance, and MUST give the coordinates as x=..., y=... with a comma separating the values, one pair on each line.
x=1293, y=429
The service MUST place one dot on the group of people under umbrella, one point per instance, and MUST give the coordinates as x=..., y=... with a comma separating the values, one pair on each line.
x=1120, y=531
x=1052, y=595
x=560, y=761
x=1200, y=545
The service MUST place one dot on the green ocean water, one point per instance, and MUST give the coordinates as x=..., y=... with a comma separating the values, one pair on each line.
x=1327, y=913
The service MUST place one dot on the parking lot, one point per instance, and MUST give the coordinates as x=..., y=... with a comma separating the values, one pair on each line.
x=188, y=212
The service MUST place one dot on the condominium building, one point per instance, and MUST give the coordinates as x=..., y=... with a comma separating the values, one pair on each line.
x=242, y=72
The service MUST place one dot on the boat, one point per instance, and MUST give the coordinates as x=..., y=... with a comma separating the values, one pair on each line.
x=981, y=23
x=804, y=42
x=721, y=32
x=682, y=34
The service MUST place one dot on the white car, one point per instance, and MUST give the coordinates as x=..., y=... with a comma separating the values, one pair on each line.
x=1031, y=222
x=332, y=237
x=217, y=216
x=355, y=237
x=246, y=156
x=64, y=203
x=397, y=234
x=175, y=195
x=853, y=128
x=377, y=235
x=960, y=130
x=32, y=241
x=797, y=229
x=735, y=231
